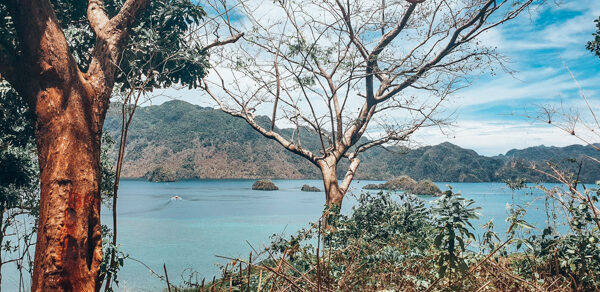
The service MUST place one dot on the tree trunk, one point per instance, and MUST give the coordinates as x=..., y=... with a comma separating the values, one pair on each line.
x=333, y=193
x=69, y=242
x=69, y=107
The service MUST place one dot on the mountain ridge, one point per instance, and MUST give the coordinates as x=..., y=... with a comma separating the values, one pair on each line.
x=201, y=142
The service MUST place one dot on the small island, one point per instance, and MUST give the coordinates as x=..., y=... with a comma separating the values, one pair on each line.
x=408, y=185
x=307, y=188
x=264, y=185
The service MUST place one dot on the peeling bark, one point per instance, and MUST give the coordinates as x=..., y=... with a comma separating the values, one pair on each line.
x=69, y=242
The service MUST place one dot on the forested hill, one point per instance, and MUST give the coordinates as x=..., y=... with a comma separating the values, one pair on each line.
x=189, y=141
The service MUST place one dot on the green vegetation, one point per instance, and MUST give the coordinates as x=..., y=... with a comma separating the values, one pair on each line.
x=594, y=45
x=64, y=58
x=201, y=142
x=18, y=168
x=390, y=241
x=397, y=242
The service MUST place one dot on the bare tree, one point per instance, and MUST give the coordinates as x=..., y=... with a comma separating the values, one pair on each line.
x=348, y=70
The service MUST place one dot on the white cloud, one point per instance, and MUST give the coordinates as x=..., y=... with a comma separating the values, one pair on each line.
x=565, y=34
x=497, y=137
x=527, y=87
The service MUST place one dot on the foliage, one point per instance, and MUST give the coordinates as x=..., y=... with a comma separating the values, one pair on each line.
x=19, y=200
x=107, y=169
x=108, y=248
x=160, y=51
x=393, y=241
x=158, y=46
x=17, y=152
x=161, y=47
x=594, y=45
x=453, y=215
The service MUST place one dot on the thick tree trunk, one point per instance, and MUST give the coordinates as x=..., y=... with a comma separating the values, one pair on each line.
x=69, y=108
x=69, y=243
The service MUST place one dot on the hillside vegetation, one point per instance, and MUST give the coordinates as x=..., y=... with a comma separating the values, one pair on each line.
x=200, y=142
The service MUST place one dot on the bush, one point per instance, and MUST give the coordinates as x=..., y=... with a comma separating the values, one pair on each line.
x=394, y=241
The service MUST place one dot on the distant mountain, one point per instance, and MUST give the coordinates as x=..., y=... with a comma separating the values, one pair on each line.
x=191, y=141
x=566, y=159
x=445, y=162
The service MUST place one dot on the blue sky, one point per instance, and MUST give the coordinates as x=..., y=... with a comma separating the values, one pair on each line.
x=490, y=114
x=538, y=44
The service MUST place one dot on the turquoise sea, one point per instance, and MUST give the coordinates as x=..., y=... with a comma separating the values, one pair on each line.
x=227, y=218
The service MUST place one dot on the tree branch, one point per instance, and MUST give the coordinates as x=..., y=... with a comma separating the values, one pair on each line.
x=405, y=134
x=391, y=35
x=268, y=134
x=229, y=40
x=97, y=17
x=354, y=163
x=451, y=45
x=44, y=52
x=126, y=16
x=110, y=36
x=314, y=73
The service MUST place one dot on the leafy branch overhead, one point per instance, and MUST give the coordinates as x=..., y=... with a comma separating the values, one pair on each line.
x=160, y=45
x=594, y=45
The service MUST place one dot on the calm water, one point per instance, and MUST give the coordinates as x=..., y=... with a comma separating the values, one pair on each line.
x=225, y=217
